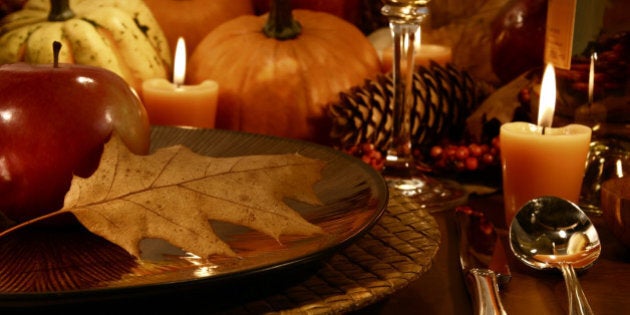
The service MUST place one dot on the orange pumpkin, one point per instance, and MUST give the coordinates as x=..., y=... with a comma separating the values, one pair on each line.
x=276, y=75
x=193, y=19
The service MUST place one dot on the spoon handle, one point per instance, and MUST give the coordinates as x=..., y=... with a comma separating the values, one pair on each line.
x=578, y=304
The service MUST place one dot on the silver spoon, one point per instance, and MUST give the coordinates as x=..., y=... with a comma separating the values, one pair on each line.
x=551, y=232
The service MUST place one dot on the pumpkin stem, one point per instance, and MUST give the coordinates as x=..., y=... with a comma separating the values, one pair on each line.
x=280, y=23
x=56, y=50
x=60, y=11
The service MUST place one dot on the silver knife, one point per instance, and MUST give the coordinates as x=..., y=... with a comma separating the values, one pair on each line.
x=482, y=259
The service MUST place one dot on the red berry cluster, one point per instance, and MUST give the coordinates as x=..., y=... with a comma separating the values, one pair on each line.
x=368, y=153
x=464, y=157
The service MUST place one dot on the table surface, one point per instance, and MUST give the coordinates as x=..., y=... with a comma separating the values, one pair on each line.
x=442, y=290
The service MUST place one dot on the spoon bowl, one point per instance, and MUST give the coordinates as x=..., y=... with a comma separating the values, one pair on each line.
x=551, y=232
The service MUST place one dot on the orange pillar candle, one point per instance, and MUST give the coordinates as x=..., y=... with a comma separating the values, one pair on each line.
x=177, y=104
x=538, y=160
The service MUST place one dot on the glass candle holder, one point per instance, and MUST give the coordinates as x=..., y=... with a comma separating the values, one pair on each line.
x=401, y=171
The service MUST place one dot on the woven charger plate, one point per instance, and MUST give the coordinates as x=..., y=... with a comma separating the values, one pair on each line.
x=396, y=251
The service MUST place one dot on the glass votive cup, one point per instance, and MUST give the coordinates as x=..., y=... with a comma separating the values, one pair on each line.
x=607, y=159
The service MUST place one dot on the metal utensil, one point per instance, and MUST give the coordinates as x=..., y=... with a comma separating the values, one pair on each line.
x=482, y=259
x=551, y=232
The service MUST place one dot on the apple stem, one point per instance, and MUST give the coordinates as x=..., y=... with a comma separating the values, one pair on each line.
x=56, y=50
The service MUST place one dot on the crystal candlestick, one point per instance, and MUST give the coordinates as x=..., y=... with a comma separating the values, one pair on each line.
x=401, y=171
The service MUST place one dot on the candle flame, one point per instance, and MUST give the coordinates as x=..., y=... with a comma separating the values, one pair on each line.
x=179, y=66
x=547, y=104
x=591, y=78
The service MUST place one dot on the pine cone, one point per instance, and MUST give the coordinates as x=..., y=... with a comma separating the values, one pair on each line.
x=443, y=99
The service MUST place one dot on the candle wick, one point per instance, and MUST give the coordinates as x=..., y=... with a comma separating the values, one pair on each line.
x=543, y=129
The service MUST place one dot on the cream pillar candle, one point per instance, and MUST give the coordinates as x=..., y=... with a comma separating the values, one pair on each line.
x=423, y=56
x=536, y=164
x=538, y=160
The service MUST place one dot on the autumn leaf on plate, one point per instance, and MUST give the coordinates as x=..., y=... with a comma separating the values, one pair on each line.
x=173, y=193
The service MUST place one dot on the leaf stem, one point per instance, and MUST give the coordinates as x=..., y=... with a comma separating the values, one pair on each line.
x=31, y=221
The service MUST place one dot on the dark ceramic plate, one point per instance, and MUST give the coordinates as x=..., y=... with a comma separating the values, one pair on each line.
x=48, y=265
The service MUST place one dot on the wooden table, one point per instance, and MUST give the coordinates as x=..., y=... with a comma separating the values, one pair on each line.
x=442, y=291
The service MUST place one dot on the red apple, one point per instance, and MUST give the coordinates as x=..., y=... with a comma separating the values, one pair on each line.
x=54, y=121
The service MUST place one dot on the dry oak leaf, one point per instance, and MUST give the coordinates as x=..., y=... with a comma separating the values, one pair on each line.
x=173, y=194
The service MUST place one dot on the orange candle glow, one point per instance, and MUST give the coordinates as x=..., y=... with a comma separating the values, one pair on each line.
x=177, y=104
x=538, y=160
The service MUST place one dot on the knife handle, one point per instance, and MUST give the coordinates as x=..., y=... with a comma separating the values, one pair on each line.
x=485, y=289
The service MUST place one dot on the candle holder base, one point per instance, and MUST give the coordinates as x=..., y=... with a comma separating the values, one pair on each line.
x=432, y=194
